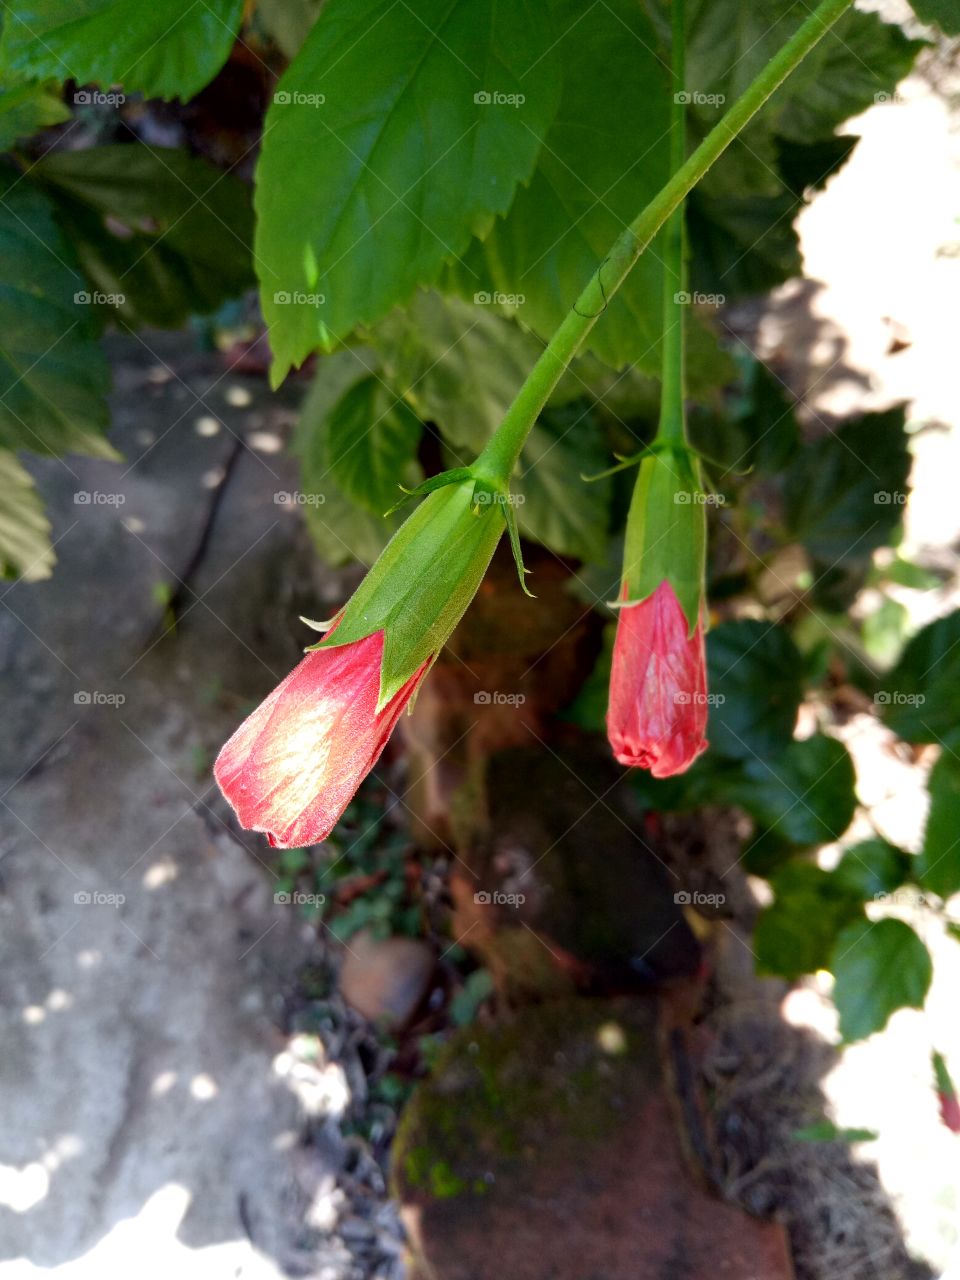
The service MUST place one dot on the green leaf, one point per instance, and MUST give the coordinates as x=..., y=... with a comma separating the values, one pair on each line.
x=555, y=507
x=755, y=678
x=25, y=549
x=827, y=1131
x=920, y=700
x=342, y=530
x=805, y=795
x=938, y=866
x=945, y=13
x=797, y=933
x=859, y=62
x=884, y=631
x=872, y=869
x=372, y=440
x=164, y=49
x=459, y=364
x=757, y=429
x=464, y=1005
x=365, y=185
x=844, y=494
x=159, y=228
x=53, y=375
x=25, y=108
x=603, y=159
x=878, y=968
x=740, y=217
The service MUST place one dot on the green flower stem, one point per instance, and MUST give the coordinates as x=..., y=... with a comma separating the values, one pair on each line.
x=672, y=387
x=499, y=458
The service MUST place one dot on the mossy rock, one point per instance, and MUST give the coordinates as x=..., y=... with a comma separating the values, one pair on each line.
x=545, y=1147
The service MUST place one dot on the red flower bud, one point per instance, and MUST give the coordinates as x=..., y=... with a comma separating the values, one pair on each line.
x=657, y=712
x=295, y=763
x=950, y=1110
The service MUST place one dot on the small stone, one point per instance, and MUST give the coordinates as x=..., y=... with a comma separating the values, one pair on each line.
x=385, y=979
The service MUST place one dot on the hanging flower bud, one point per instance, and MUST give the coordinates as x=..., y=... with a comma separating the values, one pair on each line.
x=657, y=713
x=946, y=1094
x=293, y=766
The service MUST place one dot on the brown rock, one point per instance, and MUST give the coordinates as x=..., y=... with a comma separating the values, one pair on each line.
x=545, y=1150
x=385, y=979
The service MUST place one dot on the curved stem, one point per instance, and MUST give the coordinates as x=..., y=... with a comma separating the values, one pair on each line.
x=499, y=458
x=672, y=426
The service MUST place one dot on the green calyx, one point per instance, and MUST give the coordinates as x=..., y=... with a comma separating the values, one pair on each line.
x=667, y=531
x=421, y=585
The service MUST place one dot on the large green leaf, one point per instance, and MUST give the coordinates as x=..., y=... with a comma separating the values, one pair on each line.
x=755, y=678
x=878, y=968
x=797, y=933
x=25, y=108
x=872, y=868
x=740, y=220
x=163, y=48
x=945, y=13
x=804, y=795
x=395, y=135
x=372, y=439
x=159, y=228
x=53, y=375
x=25, y=549
x=603, y=158
x=844, y=494
x=756, y=429
x=459, y=364
x=938, y=866
x=920, y=699
x=342, y=530
x=556, y=507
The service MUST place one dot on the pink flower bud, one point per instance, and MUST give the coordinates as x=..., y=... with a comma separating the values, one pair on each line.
x=657, y=713
x=295, y=763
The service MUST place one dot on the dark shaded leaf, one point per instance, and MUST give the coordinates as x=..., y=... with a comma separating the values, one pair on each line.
x=878, y=968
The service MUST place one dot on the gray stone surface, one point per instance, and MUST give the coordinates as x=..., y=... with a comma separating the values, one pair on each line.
x=145, y=1129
